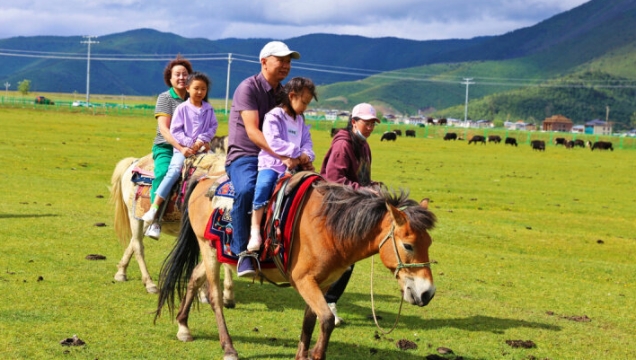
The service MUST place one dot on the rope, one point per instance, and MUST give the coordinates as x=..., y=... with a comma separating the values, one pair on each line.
x=375, y=318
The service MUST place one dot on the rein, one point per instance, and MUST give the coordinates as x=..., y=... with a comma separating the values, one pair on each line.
x=400, y=266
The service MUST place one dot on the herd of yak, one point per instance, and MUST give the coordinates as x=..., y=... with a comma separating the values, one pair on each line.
x=538, y=145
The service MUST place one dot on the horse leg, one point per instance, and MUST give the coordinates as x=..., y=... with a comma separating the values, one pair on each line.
x=309, y=322
x=215, y=296
x=317, y=308
x=196, y=280
x=137, y=243
x=122, y=266
x=228, y=288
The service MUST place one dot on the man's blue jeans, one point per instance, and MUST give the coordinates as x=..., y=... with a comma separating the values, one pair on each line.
x=242, y=172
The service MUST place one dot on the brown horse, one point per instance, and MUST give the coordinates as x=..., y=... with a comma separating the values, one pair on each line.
x=128, y=226
x=337, y=226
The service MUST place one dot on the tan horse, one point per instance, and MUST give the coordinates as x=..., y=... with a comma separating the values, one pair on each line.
x=128, y=226
x=337, y=226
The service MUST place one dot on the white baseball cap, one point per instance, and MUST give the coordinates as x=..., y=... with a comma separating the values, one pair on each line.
x=364, y=111
x=277, y=48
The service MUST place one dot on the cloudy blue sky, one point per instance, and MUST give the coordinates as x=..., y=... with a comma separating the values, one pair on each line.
x=278, y=19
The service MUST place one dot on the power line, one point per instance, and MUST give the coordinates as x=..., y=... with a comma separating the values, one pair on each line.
x=339, y=70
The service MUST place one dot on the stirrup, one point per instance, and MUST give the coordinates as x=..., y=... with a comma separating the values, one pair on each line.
x=252, y=255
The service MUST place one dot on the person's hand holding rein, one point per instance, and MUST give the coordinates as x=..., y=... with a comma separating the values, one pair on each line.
x=304, y=162
x=289, y=162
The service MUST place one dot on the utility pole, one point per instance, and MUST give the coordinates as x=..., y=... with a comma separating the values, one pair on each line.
x=227, y=86
x=88, y=66
x=467, y=82
x=608, y=126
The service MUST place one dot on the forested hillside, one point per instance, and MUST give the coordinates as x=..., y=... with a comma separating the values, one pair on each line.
x=510, y=76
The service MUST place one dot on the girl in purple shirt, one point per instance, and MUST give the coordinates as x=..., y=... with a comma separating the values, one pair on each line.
x=287, y=135
x=193, y=125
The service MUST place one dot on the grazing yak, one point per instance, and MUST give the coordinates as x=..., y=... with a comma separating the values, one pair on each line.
x=560, y=141
x=538, y=145
x=334, y=131
x=477, y=138
x=410, y=133
x=442, y=121
x=494, y=138
x=601, y=145
x=398, y=132
x=510, y=141
x=450, y=136
x=572, y=143
x=389, y=136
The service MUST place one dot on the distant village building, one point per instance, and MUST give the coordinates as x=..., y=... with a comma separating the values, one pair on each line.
x=331, y=115
x=519, y=125
x=416, y=120
x=484, y=124
x=557, y=123
x=343, y=115
x=598, y=127
x=578, y=129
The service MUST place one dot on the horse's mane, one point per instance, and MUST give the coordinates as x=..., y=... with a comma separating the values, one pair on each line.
x=352, y=214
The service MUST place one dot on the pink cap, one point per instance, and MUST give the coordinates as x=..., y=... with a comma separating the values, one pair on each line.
x=364, y=111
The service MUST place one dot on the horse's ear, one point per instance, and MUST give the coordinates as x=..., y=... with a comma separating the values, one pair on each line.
x=424, y=203
x=398, y=216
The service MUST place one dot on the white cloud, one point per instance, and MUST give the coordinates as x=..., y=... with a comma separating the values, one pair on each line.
x=409, y=19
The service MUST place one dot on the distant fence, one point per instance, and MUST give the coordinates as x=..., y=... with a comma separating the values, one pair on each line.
x=67, y=105
x=523, y=137
x=424, y=132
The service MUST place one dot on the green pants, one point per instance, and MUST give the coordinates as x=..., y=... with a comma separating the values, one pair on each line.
x=161, y=154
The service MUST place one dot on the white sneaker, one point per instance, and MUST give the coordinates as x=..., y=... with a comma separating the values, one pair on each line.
x=255, y=243
x=153, y=231
x=339, y=320
x=150, y=215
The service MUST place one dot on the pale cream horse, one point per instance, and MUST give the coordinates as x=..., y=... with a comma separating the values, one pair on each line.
x=127, y=226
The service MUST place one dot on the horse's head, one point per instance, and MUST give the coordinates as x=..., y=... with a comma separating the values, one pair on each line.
x=404, y=250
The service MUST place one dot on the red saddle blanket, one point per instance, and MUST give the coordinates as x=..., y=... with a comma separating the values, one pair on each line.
x=219, y=229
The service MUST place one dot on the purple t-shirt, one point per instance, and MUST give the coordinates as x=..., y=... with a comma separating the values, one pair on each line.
x=253, y=93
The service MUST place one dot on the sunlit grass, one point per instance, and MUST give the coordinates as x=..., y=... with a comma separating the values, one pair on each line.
x=524, y=241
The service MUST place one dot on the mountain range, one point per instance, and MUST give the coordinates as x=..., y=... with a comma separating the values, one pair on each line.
x=579, y=63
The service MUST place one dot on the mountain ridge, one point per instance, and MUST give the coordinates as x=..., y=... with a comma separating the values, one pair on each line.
x=402, y=75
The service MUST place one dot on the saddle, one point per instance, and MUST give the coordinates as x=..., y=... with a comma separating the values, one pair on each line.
x=195, y=167
x=279, y=223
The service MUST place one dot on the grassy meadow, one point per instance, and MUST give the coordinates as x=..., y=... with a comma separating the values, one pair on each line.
x=537, y=246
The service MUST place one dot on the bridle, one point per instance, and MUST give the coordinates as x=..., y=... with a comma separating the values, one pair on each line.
x=401, y=265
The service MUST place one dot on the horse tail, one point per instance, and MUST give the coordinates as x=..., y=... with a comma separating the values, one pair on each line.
x=122, y=221
x=180, y=263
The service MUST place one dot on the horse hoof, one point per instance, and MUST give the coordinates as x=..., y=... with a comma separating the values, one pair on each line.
x=230, y=304
x=230, y=357
x=152, y=289
x=185, y=337
x=120, y=277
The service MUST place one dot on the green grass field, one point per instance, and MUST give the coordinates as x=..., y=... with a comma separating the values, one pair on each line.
x=527, y=243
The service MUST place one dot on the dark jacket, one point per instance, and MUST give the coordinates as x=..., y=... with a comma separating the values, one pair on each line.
x=341, y=165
